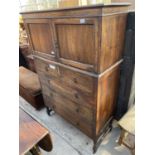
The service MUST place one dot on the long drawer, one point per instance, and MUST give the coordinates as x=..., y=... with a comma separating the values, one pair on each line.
x=63, y=83
x=77, y=80
x=80, y=116
x=75, y=95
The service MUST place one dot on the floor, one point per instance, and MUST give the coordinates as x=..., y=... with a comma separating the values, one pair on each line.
x=68, y=140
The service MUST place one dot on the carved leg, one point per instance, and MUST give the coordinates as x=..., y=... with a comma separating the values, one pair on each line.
x=48, y=110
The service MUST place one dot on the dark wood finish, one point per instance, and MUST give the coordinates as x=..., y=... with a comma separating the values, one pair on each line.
x=77, y=41
x=80, y=83
x=35, y=100
x=59, y=92
x=83, y=40
x=30, y=133
x=106, y=99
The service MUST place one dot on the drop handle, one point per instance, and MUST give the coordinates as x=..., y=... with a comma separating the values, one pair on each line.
x=77, y=123
x=76, y=96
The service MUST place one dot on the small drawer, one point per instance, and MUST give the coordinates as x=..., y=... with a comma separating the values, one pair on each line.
x=46, y=69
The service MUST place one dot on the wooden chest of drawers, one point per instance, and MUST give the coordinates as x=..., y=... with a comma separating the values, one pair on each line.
x=77, y=54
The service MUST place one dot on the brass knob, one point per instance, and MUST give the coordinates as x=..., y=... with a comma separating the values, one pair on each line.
x=77, y=110
x=76, y=96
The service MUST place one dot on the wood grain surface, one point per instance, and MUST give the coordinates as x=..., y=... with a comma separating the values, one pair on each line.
x=30, y=132
x=80, y=82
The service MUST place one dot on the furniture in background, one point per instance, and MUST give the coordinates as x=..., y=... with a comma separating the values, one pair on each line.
x=24, y=50
x=29, y=87
x=30, y=60
x=32, y=135
x=127, y=124
x=127, y=69
x=77, y=53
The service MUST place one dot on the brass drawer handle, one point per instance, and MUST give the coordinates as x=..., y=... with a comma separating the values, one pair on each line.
x=75, y=80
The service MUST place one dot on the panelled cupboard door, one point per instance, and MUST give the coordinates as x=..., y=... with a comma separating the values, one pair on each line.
x=76, y=42
x=41, y=37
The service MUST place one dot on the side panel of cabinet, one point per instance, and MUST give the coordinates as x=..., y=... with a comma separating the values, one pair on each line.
x=107, y=92
x=77, y=42
x=41, y=37
x=112, y=42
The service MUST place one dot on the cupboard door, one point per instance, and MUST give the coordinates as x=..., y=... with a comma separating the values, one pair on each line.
x=41, y=38
x=76, y=42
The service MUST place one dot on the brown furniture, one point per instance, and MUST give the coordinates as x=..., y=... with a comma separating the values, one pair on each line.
x=32, y=135
x=77, y=53
x=127, y=124
x=29, y=87
x=30, y=60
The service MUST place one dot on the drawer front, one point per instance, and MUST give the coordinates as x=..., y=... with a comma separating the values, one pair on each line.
x=79, y=81
x=69, y=116
x=83, y=112
x=71, y=93
x=49, y=86
x=87, y=129
x=78, y=115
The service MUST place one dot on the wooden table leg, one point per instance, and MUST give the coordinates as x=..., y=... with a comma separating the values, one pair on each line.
x=121, y=137
x=46, y=143
x=35, y=150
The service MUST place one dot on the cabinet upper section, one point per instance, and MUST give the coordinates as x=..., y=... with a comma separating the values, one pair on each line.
x=91, y=39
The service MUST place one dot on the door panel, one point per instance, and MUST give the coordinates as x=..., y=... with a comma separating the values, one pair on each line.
x=77, y=42
x=41, y=37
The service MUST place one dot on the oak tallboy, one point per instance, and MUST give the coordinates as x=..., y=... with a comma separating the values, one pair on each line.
x=77, y=53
